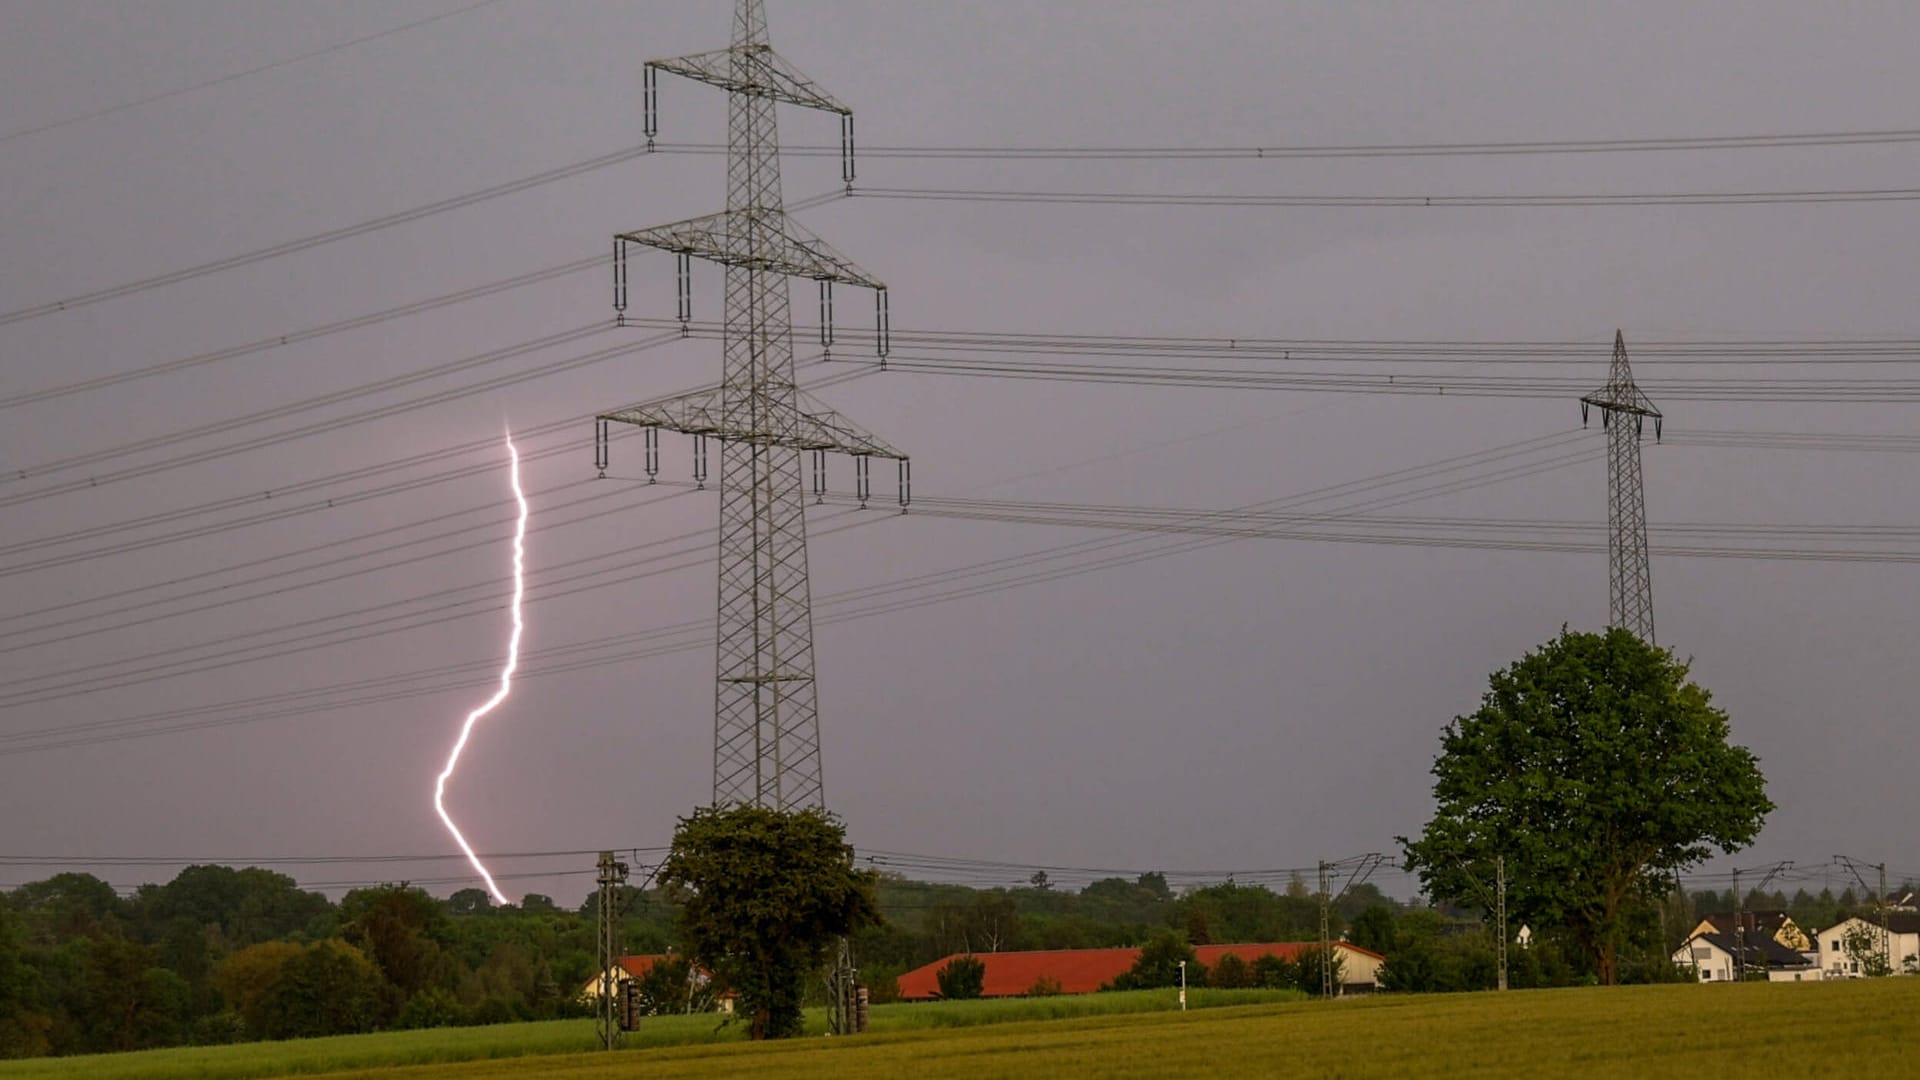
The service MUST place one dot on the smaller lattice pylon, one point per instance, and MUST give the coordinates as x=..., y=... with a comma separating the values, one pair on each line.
x=1630, y=572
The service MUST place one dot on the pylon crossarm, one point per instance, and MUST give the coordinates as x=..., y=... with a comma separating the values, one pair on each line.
x=755, y=70
x=780, y=245
x=774, y=424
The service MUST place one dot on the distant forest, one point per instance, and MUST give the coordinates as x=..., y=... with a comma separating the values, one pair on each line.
x=223, y=955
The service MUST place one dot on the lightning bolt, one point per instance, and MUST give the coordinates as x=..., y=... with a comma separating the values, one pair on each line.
x=506, y=674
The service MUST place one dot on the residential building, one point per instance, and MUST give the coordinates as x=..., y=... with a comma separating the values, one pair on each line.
x=1083, y=971
x=1759, y=925
x=1711, y=954
x=1903, y=941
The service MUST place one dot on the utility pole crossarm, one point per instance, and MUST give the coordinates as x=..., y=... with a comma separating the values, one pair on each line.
x=780, y=245
x=755, y=70
x=1621, y=394
x=774, y=424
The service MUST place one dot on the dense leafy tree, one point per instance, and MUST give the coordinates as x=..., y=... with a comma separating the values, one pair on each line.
x=763, y=894
x=1230, y=973
x=1599, y=772
x=329, y=988
x=674, y=985
x=400, y=929
x=245, y=977
x=1159, y=965
x=1373, y=929
x=963, y=978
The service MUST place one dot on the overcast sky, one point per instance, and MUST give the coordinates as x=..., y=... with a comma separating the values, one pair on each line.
x=1257, y=704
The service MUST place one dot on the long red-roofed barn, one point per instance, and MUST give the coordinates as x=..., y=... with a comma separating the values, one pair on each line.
x=1083, y=971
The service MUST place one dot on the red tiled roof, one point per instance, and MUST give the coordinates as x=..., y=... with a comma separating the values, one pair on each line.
x=638, y=966
x=1081, y=971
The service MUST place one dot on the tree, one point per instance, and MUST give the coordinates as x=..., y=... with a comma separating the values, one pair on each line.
x=1230, y=973
x=244, y=978
x=1159, y=965
x=1373, y=929
x=764, y=893
x=963, y=978
x=474, y=902
x=330, y=988
x=1598, y=771
x=1862, y=944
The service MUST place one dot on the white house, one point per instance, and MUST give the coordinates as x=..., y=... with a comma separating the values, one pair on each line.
x=1903, y=944
x=1711, y=957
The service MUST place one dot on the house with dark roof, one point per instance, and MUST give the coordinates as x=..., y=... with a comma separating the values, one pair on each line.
x=1901, y=945
x=1758, y=924
x=1083, y=971
x=1711, y=955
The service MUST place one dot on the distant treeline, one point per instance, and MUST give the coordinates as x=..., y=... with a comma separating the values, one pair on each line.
x=222, y=955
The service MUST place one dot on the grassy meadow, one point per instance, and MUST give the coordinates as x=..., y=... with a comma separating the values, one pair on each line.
x=1865, y=1028
x=387, y=1050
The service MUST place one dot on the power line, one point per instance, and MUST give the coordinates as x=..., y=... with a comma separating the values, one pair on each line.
x=316, y=53
x=382, y=412
x=1492, y=148
x=280, y=494
x=289, y=247
x=1214, y=199
x=35, y=397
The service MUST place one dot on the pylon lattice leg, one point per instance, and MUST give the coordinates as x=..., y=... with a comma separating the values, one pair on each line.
x=1630, y=598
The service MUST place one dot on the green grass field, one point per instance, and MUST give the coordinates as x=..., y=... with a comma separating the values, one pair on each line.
x=308, y=1057
x=1853, y=1029
x=1866, y=1028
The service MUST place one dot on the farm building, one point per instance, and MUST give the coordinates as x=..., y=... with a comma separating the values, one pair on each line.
x=1083, y=971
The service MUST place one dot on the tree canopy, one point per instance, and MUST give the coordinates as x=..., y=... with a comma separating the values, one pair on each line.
x=764, y=893
x=1598, y=771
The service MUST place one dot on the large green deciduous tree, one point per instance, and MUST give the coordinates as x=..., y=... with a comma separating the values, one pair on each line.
x=764, y=893
x=1598, y=771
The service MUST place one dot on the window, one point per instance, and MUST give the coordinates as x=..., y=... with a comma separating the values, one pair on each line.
x=1702, y=952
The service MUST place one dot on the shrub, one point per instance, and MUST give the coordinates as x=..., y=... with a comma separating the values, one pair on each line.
x=1045, y=986
x=962, y=978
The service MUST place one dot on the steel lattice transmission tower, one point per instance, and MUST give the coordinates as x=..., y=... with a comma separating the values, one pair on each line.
x=766, y=735
x=1624, y=411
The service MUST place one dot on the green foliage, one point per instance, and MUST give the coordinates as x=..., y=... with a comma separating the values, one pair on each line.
x=1308, y=968
x=962, y=978
x=1373, y=929
x=1159, y=965
x=244, y=978
x=1044, y=986
x=1230, y=973
x=1599, y=772
x=435, y=1008
x=763, y=894
x=674, y=985
x=1238, y=913
x=1862, y=943
x=1272, y=972
x=329, y=988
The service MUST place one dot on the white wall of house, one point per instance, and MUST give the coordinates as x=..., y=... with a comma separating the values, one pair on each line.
x=1357, y=967
x=1710, y=962
x=1833, y=948
x=1793, y=975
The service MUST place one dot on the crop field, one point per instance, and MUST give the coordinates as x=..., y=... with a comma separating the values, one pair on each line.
x=310, y=1057
x=1853, y=1029
x=1864, y=1028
